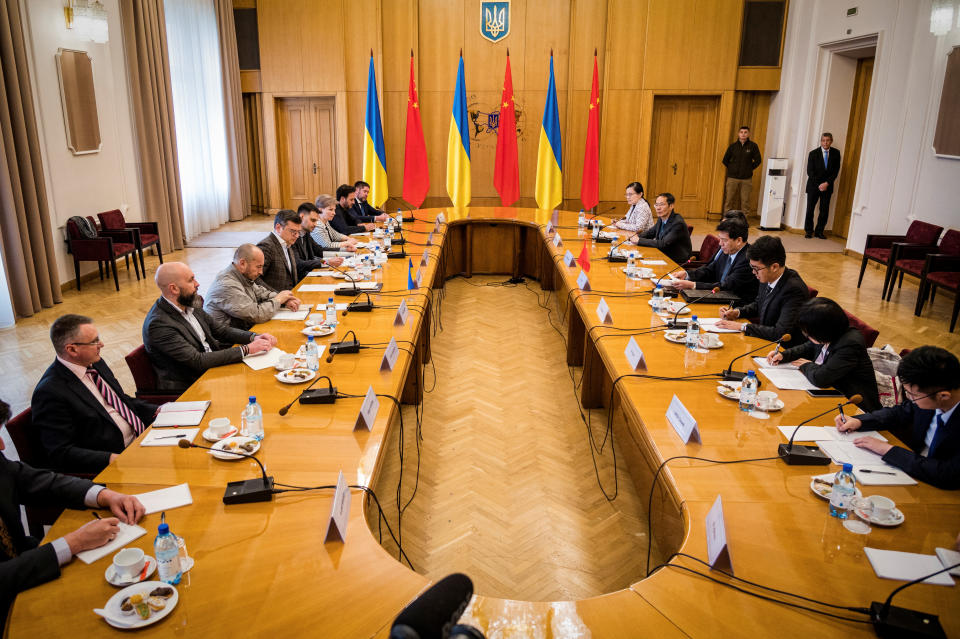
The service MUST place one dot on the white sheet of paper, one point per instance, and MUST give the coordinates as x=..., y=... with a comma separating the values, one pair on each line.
x=298, y=315
x=363, y=286
x=710, y=324
x=127, y=534
x=569, y=259
x=390, y=355
x=787, y=379
x=849, y=436
x=824, y=433
x=178, y=418
x=949, y=557
x=848, y=453
x=261, y=361
x=762, y=363
x=906, y=566
x=317, y=288
x=635, y=356
x=401, y=317
x=321, y=273
x=883, y=476
x=603, y=312
x=682, y=421
x=717, y=537
x=653, y=262
x=168, y=436
x=556, y=240
x=583, y=281
x=166, y=498
x=368, y=410
x=172, y=407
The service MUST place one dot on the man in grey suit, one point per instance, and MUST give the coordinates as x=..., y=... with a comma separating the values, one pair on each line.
x=279, y=260
x=236, y=298
x=182, y=341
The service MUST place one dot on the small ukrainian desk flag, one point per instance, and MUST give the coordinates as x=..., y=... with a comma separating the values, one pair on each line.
x=549, y=188
x=374, y=153
x=458, y=145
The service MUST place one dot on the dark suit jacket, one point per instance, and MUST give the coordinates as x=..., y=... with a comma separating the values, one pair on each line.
x=176, y=352
x=364, y=212
x=674, y=241
x=308, y=255
x=74, y=429
x=778, y=310
x=910, y=424
x=817, y=173
x=740, y=279
x=344, y=222
x=847, y=367
x=33, y=565
x=276, y=275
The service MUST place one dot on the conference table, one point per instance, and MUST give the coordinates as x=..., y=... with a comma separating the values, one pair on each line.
x=265, y=569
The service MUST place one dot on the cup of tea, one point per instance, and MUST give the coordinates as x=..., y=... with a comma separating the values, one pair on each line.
x=315, y=319
x=766, y=399
x=881, y=508
x=286, y=362
x=710, y=340
x=220, y=426
x=128, y=563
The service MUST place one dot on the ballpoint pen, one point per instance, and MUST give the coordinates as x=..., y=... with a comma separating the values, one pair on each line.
x=875, y=472
x=95, y=514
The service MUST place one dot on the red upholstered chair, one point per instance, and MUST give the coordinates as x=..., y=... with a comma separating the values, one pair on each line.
x=878, y=248
x=917, y=263
x=708, y=249
x=105, y=248
x=869, y=333
x=145, y=377
x=910, y=259
x=943, y=271
x=145, y=234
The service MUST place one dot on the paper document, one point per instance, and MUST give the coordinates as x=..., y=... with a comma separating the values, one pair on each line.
x=710, y=324
x=882, y=475
x=653, y=262
x=293, y=316
x=824, y=433
x=168, y=436
x=787, y=379
x=321, y=273
x=181, y=414
x=166, y=498
x=848, y=453
x=127, y=534
x=762, y=363
x=363, y=286
x=949, y=557
x=261, y=361
x=906, y=566
x=317, y=288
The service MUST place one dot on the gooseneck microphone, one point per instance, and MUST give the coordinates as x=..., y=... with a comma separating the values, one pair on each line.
x=434, y=613
x=674, y=323
x=731, y=375
x=810, y=455
x=612, y=256
x=353, y=290
x=344, y=346
x=893, y=621
x=679, y=268
x=358, y=307
x=245, y=491
x=326, y=395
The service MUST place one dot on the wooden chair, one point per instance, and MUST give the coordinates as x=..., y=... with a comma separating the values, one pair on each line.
x=908, y=259
x=708, y=249
x=107, y=247
x=943, y=271
x=145, y=377
x=878, y=248
x=869, y=333
x=145, y=234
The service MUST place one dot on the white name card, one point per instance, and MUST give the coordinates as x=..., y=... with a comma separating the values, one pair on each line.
x=441, y=219
x=555, y=218
x=682, y=421
x=419, y=279
x=549, y=227
x=583, y=281
x=603, y=312
x=569, y=259
x=556, y=240
x=390, y=355
x=339, y=512
x=635, y=356
x=423, y=259
x=718, y=552
x=402, y=312
x=436, y=226
x=429, y=240
x=368, y=411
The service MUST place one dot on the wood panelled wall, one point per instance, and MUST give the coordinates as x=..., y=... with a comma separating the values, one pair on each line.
x=645, y=48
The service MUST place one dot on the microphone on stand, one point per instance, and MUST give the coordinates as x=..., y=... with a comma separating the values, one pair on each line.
x=679, y=268
x=809, y=455
x=245, y=491
x=358, y=307
x=894, y=621
x=612, y=256
x=731, y=375
x=344, y=346
x=320, y=396
x=674, y=323
x=596, y=215
x=435, y=611
x=353, y=290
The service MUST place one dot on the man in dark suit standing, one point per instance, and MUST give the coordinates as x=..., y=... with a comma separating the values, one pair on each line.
x=731, y=270
x=182, y=341
x=780, y=295
x=823, y=166
x=279, y=263
x=82, y=416
x=24, y=563
x=362, y=210
x=670, y=233
x=306, y=251
x=928, y=422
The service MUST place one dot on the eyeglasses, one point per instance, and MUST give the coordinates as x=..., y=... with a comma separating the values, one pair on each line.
x=914, y=397
x=96, y=342
x=757, y=269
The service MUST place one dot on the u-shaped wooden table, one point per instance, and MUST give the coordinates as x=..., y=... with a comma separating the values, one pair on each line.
x=263, y=569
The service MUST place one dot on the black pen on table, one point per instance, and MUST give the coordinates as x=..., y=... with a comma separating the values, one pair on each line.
x=875, y=472
x=96, y=515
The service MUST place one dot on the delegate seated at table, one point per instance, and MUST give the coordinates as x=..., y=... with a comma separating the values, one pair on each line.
x=730, y=269
x=928, y=422
x=238, y=299
x=670, y=234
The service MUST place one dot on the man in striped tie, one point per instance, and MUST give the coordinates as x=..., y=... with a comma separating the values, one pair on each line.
x=81, y=415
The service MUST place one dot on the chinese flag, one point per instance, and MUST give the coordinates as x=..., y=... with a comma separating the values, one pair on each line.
x=584, y=259
x=590, y=185
x=506, y=170
x=416, y=175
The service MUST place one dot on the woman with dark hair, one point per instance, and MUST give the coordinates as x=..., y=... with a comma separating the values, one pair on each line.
x=835, y=355
x=638, y=217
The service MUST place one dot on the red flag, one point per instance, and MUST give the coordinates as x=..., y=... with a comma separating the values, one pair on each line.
x=590, y=185
x=506, y=170
x=584, y=259
x=416, y=175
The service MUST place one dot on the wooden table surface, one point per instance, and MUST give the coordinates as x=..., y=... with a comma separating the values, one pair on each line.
x=263, y=568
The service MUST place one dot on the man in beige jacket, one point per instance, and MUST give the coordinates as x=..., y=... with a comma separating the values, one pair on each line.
x=235, y=296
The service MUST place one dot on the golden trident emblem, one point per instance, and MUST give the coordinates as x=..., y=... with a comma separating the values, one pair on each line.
x=495, y=21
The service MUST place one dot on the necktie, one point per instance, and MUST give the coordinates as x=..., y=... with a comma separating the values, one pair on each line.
x=113, y=400
x=6, y=541
x=822, y=356
x=938, y=436
x=726, y=268
x=826, y=158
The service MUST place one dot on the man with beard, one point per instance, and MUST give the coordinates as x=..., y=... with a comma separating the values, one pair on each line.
x=182, y=341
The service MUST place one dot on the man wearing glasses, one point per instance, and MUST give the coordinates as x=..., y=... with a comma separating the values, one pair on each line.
x=928, y=422
x=279, y=260
x=81, y=414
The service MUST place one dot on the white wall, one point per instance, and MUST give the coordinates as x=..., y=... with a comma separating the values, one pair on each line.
x=899, y=178
x=82, y=184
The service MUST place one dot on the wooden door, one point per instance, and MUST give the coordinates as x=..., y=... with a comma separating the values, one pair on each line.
x=305, y=149
x=847, y=181
x=682, y=150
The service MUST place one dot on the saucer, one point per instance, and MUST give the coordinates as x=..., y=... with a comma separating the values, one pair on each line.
x=896, y=519
x=220, y=451
x=115, y=579
x=296, y=376
x=112, y=607
x=210, y=437
x=319, y=331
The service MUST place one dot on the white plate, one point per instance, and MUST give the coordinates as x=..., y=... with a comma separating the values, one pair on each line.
x=210, y=437
x=897, y=519
x=116, y=580
x=319, y=331
x=824, y=492
x=220, y=453
x=113, y=604
x=677, y=337
x=288, y=377
x=666, y=299
x=729, y=393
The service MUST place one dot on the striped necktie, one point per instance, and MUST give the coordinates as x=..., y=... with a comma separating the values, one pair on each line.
x=113, y=400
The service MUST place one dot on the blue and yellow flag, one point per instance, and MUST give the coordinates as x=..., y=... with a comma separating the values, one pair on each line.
x=458, y=145
x=549, y=189
x=411, y=283
x=374, y=154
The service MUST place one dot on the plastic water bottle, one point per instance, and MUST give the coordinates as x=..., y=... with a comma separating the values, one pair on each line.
x=693, y=333
x=251, y=420
x=658, y=298
x=312, y=353
x=596, y=231
x=331, y=319
x=399, y=219
x=748, y=392
x=388, y=240
x=168, y=555
x=844, y=490
x=581, y=219
x=631, y=263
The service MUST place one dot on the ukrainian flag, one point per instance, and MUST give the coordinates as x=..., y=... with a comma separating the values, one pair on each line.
x=374, y=154
x=458, y=146
x=549, y=189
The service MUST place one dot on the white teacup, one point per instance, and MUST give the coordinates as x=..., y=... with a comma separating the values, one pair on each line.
x=128, y=563
x=285, y=363
x=219, y=426
x=881, y=508
x=711, y=340
x=315, y=319
x=766, y=399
